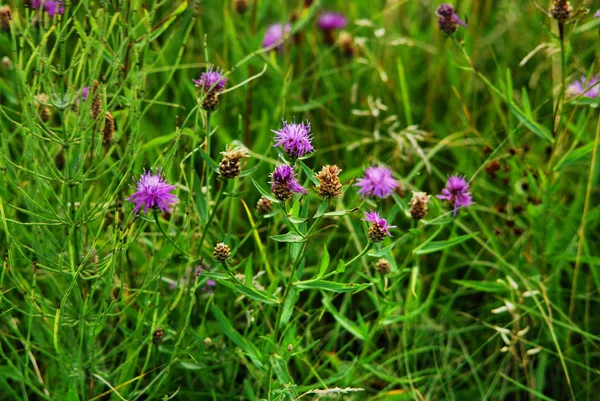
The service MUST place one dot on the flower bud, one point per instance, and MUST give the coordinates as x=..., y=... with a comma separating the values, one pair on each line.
x=418, y=205
x=264, y=206
x=221, y=252
x=230, y=164
x=383, y=267
x=329, y=182
x=158, y=336
x=241, y=6
x=561, y=10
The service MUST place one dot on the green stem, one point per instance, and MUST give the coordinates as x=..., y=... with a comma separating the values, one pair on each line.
x=211, y=217
x=167, y=237
x=361, y=254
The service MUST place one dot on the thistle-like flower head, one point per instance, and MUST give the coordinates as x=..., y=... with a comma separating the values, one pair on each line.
x=378, y=181
x=212, y=81
x=276, y=33
x=456, y=193
x=584, y=87
x=285, y=183
x=447, y=19
x=377, y=220
x=295, y=139
x=153, y=192
x=332, y=21
x=52, y=7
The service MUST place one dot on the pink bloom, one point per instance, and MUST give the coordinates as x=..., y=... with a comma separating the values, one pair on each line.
x=378, y=181
x=153, y=192
x=456, y=193
x=295, y=138
x=375, y=218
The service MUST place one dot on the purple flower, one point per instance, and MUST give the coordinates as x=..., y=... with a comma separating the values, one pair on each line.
x=375, y=218
x=456, y=193
x=276, y=34
x=378, y=181
x=84, y=93
x=597, y=15
x=212, y=81
x=447, y=19
x=585, y=88
x=295, y=138
x=52, y=7
x=285, y=183
x=332, y=21
x=153, y=192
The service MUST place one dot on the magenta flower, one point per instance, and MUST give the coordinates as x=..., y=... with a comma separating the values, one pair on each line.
x=153, y=192
x=584, y=87
x=375, y=218
x=52, y=7
x=84, y=93
x=332, y=21
x=378, y=181
x=447, y=19
x=276, y=33
x=456, y=193
x=212, y=81
x=285, y=183
x=597, y=15
x=295, y=138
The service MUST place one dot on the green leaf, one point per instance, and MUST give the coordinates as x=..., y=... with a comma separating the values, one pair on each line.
x=324, y=262
x=162, y=27
x=533, y=126
x=201, y=202
x=330, y=286
x=435, y=246
x=340, y=212
x=210, y=162
x=341, y=267
x=346, y=323
x=309, y=173
x=321, y=210
x=188, y=365
x=250, y=292
x=72, y=393
x=484, y=286
x=288, y=237
x=575, y=156
x=263, y=192
x=227, y=328
x=288, y=305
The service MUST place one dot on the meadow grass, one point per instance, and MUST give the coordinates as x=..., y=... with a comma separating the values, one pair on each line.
x=497, y=302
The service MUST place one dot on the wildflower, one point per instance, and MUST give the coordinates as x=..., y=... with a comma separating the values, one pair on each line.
x=5, y=18
x=153, y=192
x=221, y=252
x=418, y=205
x=380, y=229
x=207, y=342
x=456, y=193
x=212, y=83
x=597, y=14
x=108, y=133
x=346, y=42
x=96, y=107
x=264, y=206
x=561, y=10
x=285, y=183
x=383, y=267
x=447, y=19
x=275, y=34
x=295, y=138
x=329, y=182
x=584, y=87
x=52, y=7
x=85, y=91
x=230, y=164
x=241, y=6
x=378, y=181
x=158, y=336
x=329, y=23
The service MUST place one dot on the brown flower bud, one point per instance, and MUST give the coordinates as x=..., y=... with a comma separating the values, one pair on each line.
x=221, y=252
x=561, y=10
x=383, y=267
x=158, y=336
x=43, y=110
x=207, y=342
x=346, y=44
x=96, y=107
x=230, y=165
x=108, y=133
x=5, y=18
x=376, y=233
x=241, y=6
x=281, y=192
x=329, y=182
x=264, y=206
x=418, y=205
x=211, y=100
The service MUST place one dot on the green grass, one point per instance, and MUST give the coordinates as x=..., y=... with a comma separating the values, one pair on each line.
x=499, y=303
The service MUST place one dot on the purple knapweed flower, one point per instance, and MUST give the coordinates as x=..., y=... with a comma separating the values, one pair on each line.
x=375, y=218
x=212, y=80
x=447, y=19
x=276, y=33
x=378, y=181
x=52, y=7
x=597, y=15
x=285, y=183
x=84, y=93
x=456, y=193
x=153, y=192
x=294, y=138
x=584, y=87
x=332, y=21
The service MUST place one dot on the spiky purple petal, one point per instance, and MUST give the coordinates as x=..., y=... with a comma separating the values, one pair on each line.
x=153, y=192
x=456, y=193
x=294, y=138
x=212, y=80
x=375, y=218
x=378, y=181
x=284, y=176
